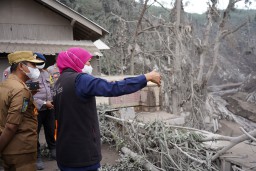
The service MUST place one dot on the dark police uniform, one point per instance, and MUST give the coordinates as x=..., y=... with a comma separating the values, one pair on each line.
x=16, y=107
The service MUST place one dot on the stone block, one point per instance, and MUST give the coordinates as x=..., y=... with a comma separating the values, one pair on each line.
x=148, y=109
x=150, y=96
x=125, y=100
x=102, y=101
x=127, y=113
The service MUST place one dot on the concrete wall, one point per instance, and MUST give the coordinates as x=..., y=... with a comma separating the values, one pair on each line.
x=147, y=99
x=29, y=20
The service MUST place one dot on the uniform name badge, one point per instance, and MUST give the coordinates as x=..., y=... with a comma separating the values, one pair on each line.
x=25, y=104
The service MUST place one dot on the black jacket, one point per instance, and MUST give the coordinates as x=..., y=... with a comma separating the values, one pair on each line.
x=78, y=137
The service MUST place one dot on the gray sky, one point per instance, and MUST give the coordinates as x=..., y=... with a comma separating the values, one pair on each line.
x=200, y=6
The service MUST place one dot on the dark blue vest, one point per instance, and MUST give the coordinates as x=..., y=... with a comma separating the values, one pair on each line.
x=78, y=137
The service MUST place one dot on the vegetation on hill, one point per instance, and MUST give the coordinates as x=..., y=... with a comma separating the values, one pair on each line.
x=119, y=17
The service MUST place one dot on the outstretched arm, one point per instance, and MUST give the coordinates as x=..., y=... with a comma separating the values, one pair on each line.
x=87, y=85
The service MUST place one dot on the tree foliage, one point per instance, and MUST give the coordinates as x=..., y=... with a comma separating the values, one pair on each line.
x=120, y=17
x=198, y=51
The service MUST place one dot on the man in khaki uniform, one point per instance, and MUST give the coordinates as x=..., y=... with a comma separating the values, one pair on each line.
x=18, y=120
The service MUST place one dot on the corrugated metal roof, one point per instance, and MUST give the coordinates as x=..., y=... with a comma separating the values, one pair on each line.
x=45, y=47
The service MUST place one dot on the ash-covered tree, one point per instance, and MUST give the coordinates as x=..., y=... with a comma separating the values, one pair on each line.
x=186, y=60
x=143, y=37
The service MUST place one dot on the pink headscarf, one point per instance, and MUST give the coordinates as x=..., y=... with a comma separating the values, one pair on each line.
x=74, y=58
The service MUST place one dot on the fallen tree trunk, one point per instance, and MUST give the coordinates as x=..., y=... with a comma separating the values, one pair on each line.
x=223, y=87
x=233, y=142
x=169, y=147
x=208, y=135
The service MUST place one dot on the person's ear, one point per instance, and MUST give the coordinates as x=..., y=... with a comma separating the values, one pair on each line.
x=21, y=66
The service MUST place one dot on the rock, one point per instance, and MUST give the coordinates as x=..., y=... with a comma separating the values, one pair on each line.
x=238, y=105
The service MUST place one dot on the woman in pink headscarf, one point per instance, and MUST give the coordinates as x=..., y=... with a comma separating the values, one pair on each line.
x=73, y=58
x=78, y=138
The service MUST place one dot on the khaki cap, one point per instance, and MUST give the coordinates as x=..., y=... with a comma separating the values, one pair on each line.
x=20, y=56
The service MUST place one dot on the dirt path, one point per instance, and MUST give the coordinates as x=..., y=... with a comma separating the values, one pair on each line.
x=109, y=156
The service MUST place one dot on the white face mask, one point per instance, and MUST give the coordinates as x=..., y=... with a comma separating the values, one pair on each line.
x=40, y=66
x=33, y=73
x=87, y=69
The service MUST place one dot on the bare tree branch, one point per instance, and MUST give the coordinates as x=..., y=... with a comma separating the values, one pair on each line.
x=136, y=35
x=148, y=28
x=136, y=157
x=219, y=37
x=186, y=154
x=254, y=139
x=235, y=30
x=234, y=142
x=161, y=5
x=214, y=137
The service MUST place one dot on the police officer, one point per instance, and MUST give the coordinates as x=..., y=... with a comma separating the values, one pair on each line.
x=18, y=120
x=54, y=75
x=43, y=101
x=54, y=72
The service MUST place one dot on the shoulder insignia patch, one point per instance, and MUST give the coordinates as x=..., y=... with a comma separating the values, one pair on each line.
x=25, y=104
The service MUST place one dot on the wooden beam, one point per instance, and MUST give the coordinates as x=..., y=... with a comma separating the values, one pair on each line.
x=72, y=22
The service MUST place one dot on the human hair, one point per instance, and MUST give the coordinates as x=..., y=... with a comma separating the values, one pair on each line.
x=14, y=66
x=56, y=57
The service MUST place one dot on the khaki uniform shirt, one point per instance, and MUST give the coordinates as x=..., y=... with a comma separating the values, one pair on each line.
x=16, y=107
